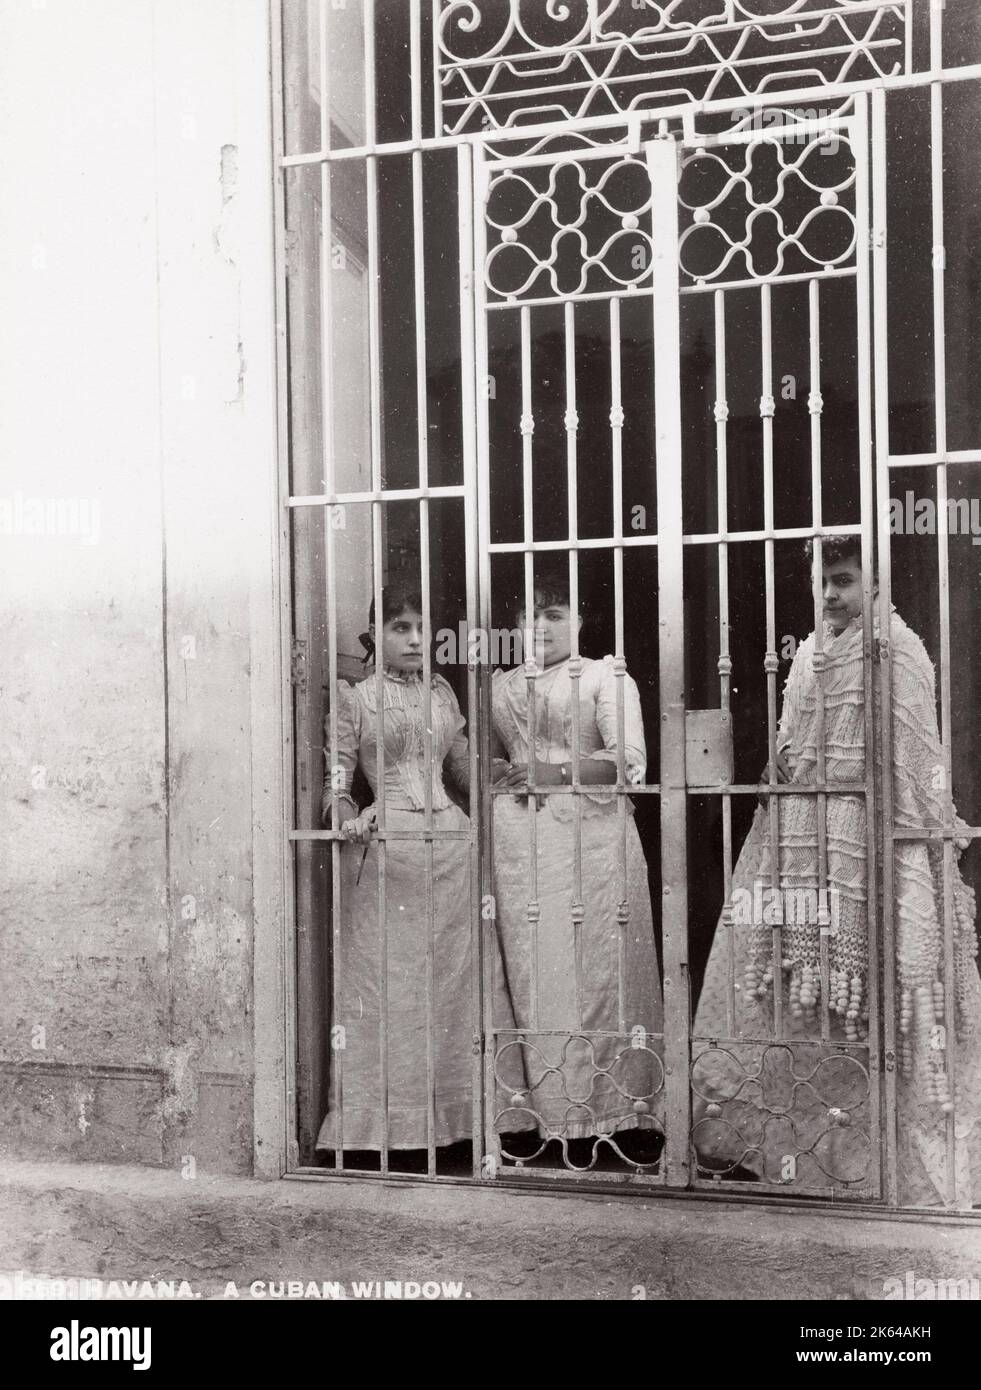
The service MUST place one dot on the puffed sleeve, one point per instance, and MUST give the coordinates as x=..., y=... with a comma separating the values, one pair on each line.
x=340, y=768
x=635, y=748
x=457, y=759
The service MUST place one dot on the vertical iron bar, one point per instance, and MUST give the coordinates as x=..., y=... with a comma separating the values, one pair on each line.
x=489, y=972
x=725, y=657
x=943, y=567
x=422, y=417
x=619, y=656
x=575, y=664
x=468, y=382
x=415, y=66
x=881, y=362
x=437, y=81
x=663, y=165
x=336, y=1055
x=770, y=661
x=375, y=387
x=531, y=663
x=859, y=135
x=380, y=843
x=370, y=76
x=815, y=406
x=285, y=549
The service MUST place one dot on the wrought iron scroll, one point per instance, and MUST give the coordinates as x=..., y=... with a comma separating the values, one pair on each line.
x=768, y=208
x=789, y=1109
x=575, y=227
x=501, y=63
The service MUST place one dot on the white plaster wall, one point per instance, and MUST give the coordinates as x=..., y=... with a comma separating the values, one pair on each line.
x=138, y=431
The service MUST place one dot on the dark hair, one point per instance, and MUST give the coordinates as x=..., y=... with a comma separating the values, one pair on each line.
x=396, y=599
x=551, y=589
x=835, y=550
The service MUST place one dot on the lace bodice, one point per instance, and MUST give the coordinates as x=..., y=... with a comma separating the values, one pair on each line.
x=552, y=740
x=404, y=734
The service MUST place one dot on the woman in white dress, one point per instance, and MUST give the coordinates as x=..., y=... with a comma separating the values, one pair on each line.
x=358, y=1061
x=576, y=931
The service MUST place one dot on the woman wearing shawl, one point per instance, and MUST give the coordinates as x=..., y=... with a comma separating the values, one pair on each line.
x=806, y=1115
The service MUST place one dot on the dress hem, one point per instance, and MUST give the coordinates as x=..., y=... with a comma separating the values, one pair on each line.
x=407, y=1129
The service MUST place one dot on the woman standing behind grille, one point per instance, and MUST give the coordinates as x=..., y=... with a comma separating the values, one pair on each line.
x=406, y=774
x=580, y=957
x=801, y=1107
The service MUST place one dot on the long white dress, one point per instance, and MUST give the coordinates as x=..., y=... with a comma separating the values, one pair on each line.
x=800, y=1110
x=357, y=1057
x=590, y=1021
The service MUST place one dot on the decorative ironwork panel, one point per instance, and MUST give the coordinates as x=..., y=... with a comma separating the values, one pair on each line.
x=561, y=140
x=768, y=207
x=502, y=63
x=801, y=1112
x=572, y=227
x=624, y=1072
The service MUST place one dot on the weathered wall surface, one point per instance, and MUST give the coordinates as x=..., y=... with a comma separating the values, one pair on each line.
x=136, y=484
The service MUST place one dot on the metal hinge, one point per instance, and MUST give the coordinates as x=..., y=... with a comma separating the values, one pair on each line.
x=880, y=649
x=298, y=664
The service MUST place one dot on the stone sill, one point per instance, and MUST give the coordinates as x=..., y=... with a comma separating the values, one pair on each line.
x=134, y=1223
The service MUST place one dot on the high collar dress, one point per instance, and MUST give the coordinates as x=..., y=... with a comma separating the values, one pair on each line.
x=574, y=914
x=409, y=1037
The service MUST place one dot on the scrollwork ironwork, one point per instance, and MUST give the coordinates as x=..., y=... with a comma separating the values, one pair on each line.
x=517, y=61
x=750, y=222
x=569, y=228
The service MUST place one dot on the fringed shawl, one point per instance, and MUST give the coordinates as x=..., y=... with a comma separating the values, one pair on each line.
x=918, y=804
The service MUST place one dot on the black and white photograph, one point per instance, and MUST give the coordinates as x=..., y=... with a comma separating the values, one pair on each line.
x=490, y=712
